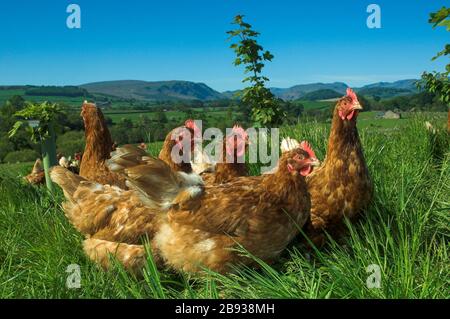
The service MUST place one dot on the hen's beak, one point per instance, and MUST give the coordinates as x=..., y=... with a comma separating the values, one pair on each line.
x=357, y=106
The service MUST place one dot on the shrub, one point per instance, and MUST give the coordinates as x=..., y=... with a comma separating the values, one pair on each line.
x=5, y=147
x=21, y=156
x=70, y=143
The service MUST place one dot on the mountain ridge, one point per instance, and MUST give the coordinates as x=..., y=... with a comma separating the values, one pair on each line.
x=188, y=90
x=154, y=90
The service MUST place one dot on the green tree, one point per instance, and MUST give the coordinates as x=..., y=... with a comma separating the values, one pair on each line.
x=438, y=82
x=264, y=106
x=161, y=117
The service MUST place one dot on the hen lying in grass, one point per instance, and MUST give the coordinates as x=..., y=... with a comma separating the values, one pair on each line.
x=37, y=175
x=194, y=228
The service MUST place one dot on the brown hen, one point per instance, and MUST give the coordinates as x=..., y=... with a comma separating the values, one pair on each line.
x=37, y=175
x=261, y=213
x=232, y=163
x=341, y=187
x=177, y=138
x=99, y=145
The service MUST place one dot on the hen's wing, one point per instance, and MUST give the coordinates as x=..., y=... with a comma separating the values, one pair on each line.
x=105, y=211
x=132, y=257
x=156, y=182
x=223, y=209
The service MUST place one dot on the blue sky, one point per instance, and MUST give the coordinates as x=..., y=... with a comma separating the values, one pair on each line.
x=313, y=41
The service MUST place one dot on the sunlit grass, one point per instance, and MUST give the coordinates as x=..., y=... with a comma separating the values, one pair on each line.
x=405, y=232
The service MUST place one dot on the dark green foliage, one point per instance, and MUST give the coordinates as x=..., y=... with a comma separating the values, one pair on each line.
x=26, y=155
x=70, y=91
x=424, y=101
x=293, y=111
x=6, y=146
x=383, y=92
x=365, y=103
x=70, y=143
x=438, y=82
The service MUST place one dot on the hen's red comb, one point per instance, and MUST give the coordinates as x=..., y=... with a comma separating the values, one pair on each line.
x=304, y=145
x=190, y=124
x=352, y=95
x=237, y=129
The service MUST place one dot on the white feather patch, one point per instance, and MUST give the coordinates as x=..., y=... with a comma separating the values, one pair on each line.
x=194, y=191
x=289, y=144
x=205, y=245
x=191, y=179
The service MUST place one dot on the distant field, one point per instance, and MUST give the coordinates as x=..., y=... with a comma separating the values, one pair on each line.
x=72, y=101
x=369, y=119
x=310, y=105
x=117, y=116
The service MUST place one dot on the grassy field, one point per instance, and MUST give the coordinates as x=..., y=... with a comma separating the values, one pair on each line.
x=117, y=115
x=405, y=232
x=72, y=101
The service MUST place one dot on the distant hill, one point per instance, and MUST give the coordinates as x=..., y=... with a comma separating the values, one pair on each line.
x=299, y=91
x=389, y=89
x=186, y=90
x=324, y=94
x=384, y=92
x=230, y=94
x=409, y=85
x=154, y=91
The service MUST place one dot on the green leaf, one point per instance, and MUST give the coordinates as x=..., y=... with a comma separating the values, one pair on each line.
x=15, y=128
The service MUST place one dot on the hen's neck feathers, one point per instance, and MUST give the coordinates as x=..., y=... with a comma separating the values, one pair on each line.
x=166, y=155
x=282, y=183
x=343, y=138
x=98, y=138
x=225, y=171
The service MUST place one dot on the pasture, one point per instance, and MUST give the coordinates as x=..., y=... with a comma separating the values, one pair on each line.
x=404, y=233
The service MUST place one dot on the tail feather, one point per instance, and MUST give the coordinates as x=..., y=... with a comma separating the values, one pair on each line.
x=67, y=180
x=126, y=157
x=155, y=181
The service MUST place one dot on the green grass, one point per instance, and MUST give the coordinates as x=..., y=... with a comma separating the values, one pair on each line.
x=405, y=231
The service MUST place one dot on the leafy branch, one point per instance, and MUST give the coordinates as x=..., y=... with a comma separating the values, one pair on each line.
x=438, y=82
x=45, y=113
x=264, y=105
